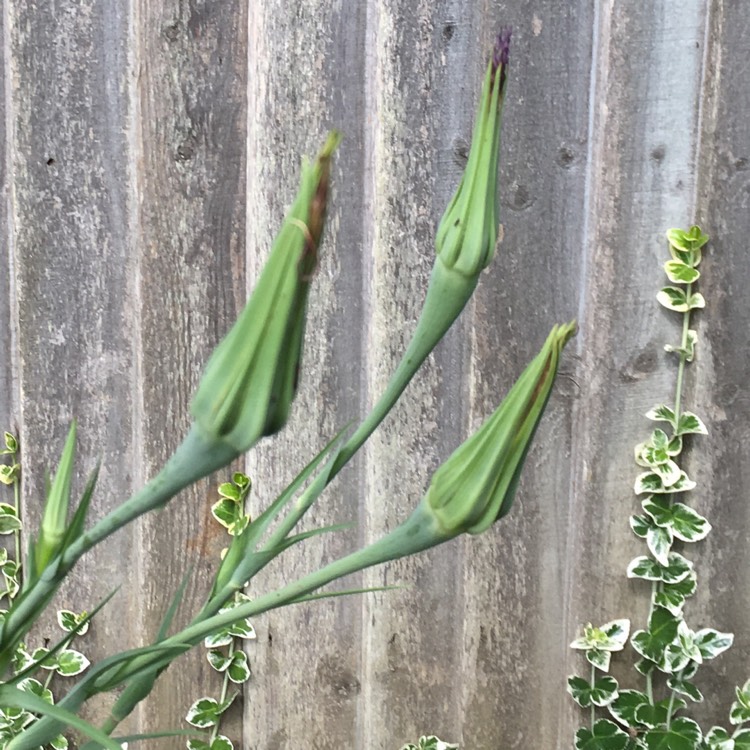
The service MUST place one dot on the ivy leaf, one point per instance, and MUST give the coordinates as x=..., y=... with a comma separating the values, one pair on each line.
x=673, y=298
x=662, y=413
x=685, y=523
x=11, y=443
x=662, y=630
x=30, y=685
x=222, y=743
x=672, y=595
x=652, y=716
x=718, y=739
x=659, y=541
x=623, y=708
x=685, y=687
x=687, y=241
x=204, y=713
x=229, y=491
x=225, y=511
x=641, y=525
x=651, y=482
x=218, y=660
x=741, y=739
x=644, y=567
x=740, y=711
x=604, y=735
x=239, y=669
x=59, y=743
x=9, y=521
x=687, y=351
x=680, y=273
x=71, y=662
x=696, y=301
x=690, y=423
x=601, y=693
x=196, y=744
x=683, y=734
x=9, y=473
x=682, y=650
x=711, y=642
x=71, y=622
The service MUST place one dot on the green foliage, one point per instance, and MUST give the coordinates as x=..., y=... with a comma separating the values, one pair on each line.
x=671, y=652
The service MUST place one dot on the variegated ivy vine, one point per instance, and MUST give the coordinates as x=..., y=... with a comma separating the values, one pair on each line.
x=225, y=653
x=430, y=743
x=35, y=667
x=669, y=651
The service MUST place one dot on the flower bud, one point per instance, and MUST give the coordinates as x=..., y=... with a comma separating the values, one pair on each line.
x=476, y=485
x=251, y=378
x=467, y=233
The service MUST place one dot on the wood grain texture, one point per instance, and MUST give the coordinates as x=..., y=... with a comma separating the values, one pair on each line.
x=71, y=238
x=153, y=148
x=189, y=157
x=306, y=76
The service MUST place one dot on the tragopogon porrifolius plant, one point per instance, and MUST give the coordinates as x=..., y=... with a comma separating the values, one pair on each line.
x=669, y=651
x=246, y=393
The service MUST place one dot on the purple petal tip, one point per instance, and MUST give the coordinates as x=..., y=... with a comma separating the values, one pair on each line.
x=502, y=48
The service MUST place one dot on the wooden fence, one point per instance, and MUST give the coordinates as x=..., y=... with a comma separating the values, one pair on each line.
x=150, y=149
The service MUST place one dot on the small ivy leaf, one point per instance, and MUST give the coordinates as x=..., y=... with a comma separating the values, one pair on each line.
x=668, y=471
x=696, y=301
x=242, y=629
x=690, y=423
x=611, y=636
x=687, y=351
x=651, y=716
x=682, y=650
x=688, y=241
x=9, y=473
x=680, y=273
x=641, y=525
x=599, y=659
x=683, y=734
x=40, y=655
x=718, y=739
x=229, y=491
x=71, y=662
x=9, y=521
x=196, y=744
x=711, y=642
x=204, y=713
x=239, y=669
x=685, y=687
x=59, y=743
x=688, y=525
x=601, y=693
x=623, y=708
x=662, y=630
x=662, y=413
x=651, y=482
x=218, y=660
x=740, y=711
x=21, y=659
x=645, y=667
x=225, y=512
x=236, y=528
x=678, y=568
x=673, y=298
x=741, y=739
x=675, y=446
x=11, y=444
x=672, y=595
x=242, y=480
x=604, y=735
x=222, y=743
x=30, y=685
x=218, y=639
x=71, y=622
x=659, y=541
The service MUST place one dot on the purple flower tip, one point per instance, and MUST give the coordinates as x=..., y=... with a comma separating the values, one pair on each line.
x=502, y=48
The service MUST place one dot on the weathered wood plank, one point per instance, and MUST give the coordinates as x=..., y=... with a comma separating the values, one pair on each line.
x=68, y=64
x=719, y=389
x=307, y=61
x=647, y=91
x=513, y=666
x=189, y=154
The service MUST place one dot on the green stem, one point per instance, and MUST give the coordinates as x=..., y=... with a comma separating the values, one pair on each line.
x=196, y=457
x=673, y=695
x=683, y=358
x=223, y=696
x=17, y=532
x=593, y=707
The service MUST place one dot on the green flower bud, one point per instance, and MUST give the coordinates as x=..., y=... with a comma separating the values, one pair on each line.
x=467, y=233
x=476, y=485
x=251, y=378
x=55, y=519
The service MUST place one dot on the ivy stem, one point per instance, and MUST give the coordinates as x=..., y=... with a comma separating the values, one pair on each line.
x=224, y=691
x=683, y=357
x=17, y=532
x=593, y=707
x=670, y=708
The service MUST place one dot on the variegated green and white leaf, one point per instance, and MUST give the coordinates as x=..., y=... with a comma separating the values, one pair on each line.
x=711, y=642
x=601, y=693
x=71, y=662
x=683, y=734
x=672, y=595
x=690, y=423
x=740, y=711
x=685, y=687
x=696, y=301
x=9, y=521
x=741, y=739
x=662, y=630
x=623, y=708
x=644, y=567
x=218, y=660
x=204, y=713
x=688, y=351
x=680, y=273
x=662, y=413
x=239, y=669
x=673, y=298
x=659, y=541
x=604, y=735
x=71, y=622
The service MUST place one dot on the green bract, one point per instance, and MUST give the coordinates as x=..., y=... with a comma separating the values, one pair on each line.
x=251, y=378
x=476, y=485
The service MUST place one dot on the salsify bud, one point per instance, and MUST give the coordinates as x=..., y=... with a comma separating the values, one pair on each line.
x=251, y=378
x=467, y=233
x=476, y=485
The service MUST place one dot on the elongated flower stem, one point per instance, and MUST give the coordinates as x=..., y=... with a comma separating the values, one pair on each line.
x=195, y=458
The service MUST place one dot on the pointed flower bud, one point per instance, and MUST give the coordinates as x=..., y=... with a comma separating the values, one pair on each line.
x=55, y=519
x=467, y=234
x=251, y=378
x=476, y=485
